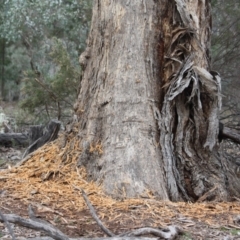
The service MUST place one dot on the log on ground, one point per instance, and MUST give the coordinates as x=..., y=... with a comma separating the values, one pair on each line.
x=14, y=139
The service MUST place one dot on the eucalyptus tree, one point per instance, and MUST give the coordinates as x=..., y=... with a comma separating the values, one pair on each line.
x=151, y=100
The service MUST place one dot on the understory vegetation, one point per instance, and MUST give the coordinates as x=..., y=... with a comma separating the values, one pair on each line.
x=40, y=42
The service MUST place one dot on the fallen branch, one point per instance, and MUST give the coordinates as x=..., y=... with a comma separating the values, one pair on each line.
x=93, y=213
x=170, y=233
x=8, y=226
x=228, y=133
x=48, y=228
x=55, y=233
x=14, y=139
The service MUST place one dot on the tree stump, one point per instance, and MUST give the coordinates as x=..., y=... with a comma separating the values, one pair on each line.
x=50, y=134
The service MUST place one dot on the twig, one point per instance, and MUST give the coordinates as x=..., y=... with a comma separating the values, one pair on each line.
x=93, y=213
x=207, y=194
x=31, y=213
x=170, y=233
x=48, y=228
x=33, y=217
x=8, y=226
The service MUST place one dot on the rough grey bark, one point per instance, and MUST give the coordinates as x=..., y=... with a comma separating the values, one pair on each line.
x=147, y=111
x=35, y=132
x=189, y=113
x=119, y=86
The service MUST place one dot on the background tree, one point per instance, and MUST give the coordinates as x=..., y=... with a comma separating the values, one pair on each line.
x=225, y=55
x=49, y=35
x=28, y=29
x=2, y=52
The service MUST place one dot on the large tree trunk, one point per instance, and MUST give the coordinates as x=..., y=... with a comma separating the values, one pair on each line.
x=147, y=111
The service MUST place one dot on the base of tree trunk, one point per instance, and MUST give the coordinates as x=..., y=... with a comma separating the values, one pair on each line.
x=148, y=107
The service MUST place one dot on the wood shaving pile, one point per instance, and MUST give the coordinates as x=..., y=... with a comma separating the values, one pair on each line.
x=49, y=176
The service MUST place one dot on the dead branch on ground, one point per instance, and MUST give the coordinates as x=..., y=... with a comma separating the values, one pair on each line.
x=93, y=213
x=8, y=226
x=170, y=233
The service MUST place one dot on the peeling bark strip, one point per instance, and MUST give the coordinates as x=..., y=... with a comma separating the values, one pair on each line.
x=189, y=114
x=150, y=99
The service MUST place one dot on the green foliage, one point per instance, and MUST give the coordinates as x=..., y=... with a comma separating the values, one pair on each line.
x=225, y=38
x=232, y=231
x=48, y=36
x=52, y=94
x=43, y=42
x=16, y=62
x=65, y=82
x=34, y=20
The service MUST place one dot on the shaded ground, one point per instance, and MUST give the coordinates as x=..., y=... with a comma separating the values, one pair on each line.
x=47, y=180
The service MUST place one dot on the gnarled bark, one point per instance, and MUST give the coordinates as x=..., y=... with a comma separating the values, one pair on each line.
x=189, y=113
x=147, y=110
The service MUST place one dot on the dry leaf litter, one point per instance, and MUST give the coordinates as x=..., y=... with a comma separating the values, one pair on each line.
x=49, y=177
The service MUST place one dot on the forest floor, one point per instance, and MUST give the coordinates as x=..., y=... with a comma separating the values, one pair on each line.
x=47, y=180
x=79, y=223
